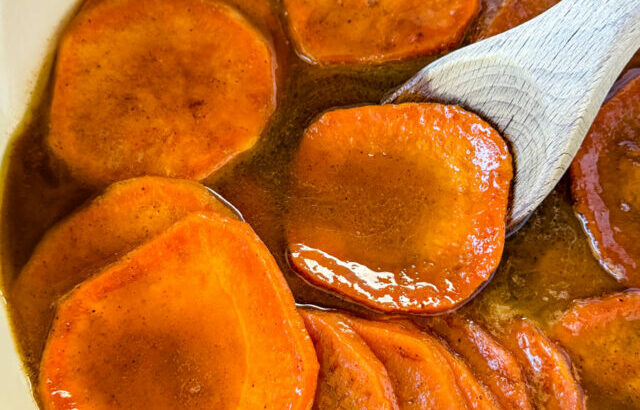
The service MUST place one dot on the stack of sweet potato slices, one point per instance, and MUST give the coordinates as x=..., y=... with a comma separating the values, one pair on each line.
x=162, y=298
x=156, y=293
x=451, y=362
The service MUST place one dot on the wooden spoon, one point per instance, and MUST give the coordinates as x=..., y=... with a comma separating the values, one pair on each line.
x=540, y=84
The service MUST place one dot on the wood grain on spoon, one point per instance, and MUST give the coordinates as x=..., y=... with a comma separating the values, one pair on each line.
x=540, y=84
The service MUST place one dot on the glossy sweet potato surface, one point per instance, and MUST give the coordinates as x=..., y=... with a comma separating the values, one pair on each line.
x=198, y=317
x=547, y=367
x=421, y=375
x=399, y=207
x=125, y=215
x=476, y=395
x=495, y=366
x=375, y=31
x=351, y=377
x=602, y=336
x=512, y=13
x=605, y=178
x=154, y=87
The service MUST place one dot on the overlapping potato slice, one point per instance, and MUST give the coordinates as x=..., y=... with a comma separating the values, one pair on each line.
x=374, y=31
x=399, y=207
x=351, y=377
x=198, y=317
x=125, y=215
x=605, y=178
x=494, y=365
x=547, y=367
x=602, y=336
x=419, y=368
x=158, y=87
x=476, y=395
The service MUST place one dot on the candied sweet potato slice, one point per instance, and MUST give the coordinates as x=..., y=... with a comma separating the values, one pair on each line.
x=494, y=365
x=155, y=87
x=375, y=31
x=547, y=367
x=602, y=336
x=605, y=178
x=125, y=215
x=476, y=395
x=512, y=13
x=198, y=317
x=351, y=377
x=421, y=375
x=401, y=208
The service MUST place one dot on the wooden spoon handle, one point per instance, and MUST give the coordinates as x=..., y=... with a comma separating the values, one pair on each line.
x=541, y=84
x=575, y=51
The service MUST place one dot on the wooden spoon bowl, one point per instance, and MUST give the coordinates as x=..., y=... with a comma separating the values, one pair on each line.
x=540, y=84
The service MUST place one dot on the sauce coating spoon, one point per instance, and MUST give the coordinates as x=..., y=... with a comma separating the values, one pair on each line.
x=540, y=84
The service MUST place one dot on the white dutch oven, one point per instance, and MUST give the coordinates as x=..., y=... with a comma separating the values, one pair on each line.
x=29, y=31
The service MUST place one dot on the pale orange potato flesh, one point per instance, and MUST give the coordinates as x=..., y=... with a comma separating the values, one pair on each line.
x=375, y=31
x=154, y=87
x=198, y=317
x=351, y=377
x=602, y=336
x=125, y=215
x=401, y=208
x=547, y=367
x=494, y=365
x=421, y=375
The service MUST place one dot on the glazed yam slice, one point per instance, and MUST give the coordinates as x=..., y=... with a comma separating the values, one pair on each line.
x=155, y=87
x=375, y=31
x=476, y=395
x=547, y=367
x=602, y=336
x=420, y=373
x=125, y=215
x=605, y=178
x=494, y=365
x=401, y=208
x=512, y=13
x=351, y=377
x=198, y=317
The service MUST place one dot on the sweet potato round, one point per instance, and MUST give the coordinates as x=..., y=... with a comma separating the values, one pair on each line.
x=494, y=365
x=351, y=377
x=375, y=31
x=198, y=317
x=401, y=208
x=605, y=184
x=421, y=375
x=125, y=215
x=476, y=395
x=154, y=87
x=602, y=336
x=547, y=367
